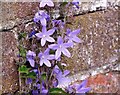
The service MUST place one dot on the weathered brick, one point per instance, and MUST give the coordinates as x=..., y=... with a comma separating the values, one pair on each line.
x=99, y=33
x=9, y=68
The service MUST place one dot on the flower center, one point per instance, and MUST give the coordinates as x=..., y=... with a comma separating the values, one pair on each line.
x=43, y=57
x=44, y=36
x=60, y=46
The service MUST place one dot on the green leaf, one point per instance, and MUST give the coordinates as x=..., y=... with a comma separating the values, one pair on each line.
x=44, y=76
x=31, y=75
x=23, y=69
x=22, y=35
x=64, y=3
x=57, y=91
x=22, y=51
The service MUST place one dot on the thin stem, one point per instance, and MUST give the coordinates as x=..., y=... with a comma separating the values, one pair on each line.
x=20, y=89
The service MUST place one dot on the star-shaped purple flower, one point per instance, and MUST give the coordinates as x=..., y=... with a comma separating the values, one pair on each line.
x=49, y=3
x=41, y=16
x=45, y=35
x=45, y=57
x=80, y=88
x=30, y=57
x=72, y=36
x=60, y=48
x=61, y=76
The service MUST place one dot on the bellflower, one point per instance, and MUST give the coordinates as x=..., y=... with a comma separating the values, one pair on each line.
x=45, y=35
x=80, y=88
x=32, y=34
x=76, y=3
x=49, y=3
x=61, y=76
x=60, y=47
x=30, y=57
x=72, y=36
x=45, y=57
x=41, y=16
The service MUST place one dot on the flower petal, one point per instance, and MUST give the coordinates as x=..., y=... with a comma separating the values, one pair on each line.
x=51, y=31
x=56, y=69
x=42, y=3
x=32, y=62
x=51, y=57
x=39, y=35
x=43, y=21
x=36, y=17
x=28, y=81
x=32, y=33
x=59, y=40
x=44, y=30
x=66, y=72
x=44, y=92
x=34, y=92
x=41, y=62
x=47, y=63
x=50, y=39
x=46, y=52
x=53, y=46
x=43, y=41
x=63, y=81
x=57, y=53
x=50, y=3
x=31, y=53
x=76, y=39
x=83, y=84
x=83, y=90
x=66, y=52
x=68, y=31
x=75, y=32
x=40, y=55
x=69, y=44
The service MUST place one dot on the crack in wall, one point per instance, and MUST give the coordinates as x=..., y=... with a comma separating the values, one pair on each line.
x=8, y=27
x=112, y=67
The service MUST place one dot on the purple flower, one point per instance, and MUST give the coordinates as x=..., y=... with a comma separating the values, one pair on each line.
x=41, y=16
x=80, y=88
x=72, y=36
x=30, y=57
x=45, y=57
x=45, y=35
x=60, y=47
x=44, y=91
x=32, y=34
x=35, y=92
x=61, y=76
x=58, y=23
x=76, y=3
x=28, y=81
x=49, y=3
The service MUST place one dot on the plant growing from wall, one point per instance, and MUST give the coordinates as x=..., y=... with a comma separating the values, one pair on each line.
x=40, y=67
